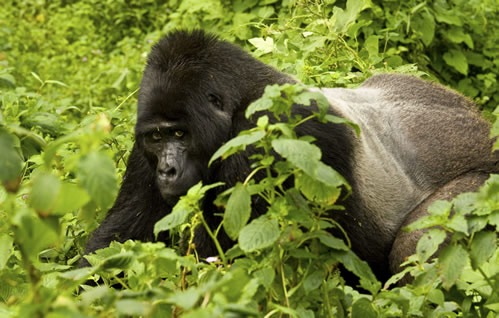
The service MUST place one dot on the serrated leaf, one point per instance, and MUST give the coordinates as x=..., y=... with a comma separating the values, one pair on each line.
x=238, y=211
x=343, y=19
x=119, y=261
x=177, y=217
x=316, y=191
x=265, y=102
x=306, y=157
x=185, y=298
x=263, y=46
x=429, y=244
x=300, y=153
x=452, y=260
x=259, y=234
x=238, y=143
x=333, y=242
x=482, y=248
x=363, y=308
x=360, y=268
x=97, y=176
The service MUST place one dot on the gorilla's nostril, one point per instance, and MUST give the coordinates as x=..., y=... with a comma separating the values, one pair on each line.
x=171, y=172
x=168, y=173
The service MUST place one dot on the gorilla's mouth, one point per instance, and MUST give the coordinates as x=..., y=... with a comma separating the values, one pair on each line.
x=172, y=191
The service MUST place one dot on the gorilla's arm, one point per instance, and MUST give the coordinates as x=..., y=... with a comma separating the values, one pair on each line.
x=138, y=207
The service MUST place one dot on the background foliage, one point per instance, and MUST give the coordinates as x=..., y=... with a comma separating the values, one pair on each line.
x=69, y=73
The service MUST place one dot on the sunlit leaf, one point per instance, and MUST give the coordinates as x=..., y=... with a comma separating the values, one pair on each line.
x=259, y=234
x=452, y=260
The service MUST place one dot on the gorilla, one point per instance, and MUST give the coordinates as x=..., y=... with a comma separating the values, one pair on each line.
x=419, y=142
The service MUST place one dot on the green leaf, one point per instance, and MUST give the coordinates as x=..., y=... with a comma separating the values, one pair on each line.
x=263, y=46
x=185, y=298
x=313, y=281
x=236, y=144
x=6, y=242
x=266, y=101
x=300, y=153
x=436, y=296
x=333, y=242
x=457, y=60
x=456, y=35
x=424, y=25
x=34, y=234
x=238, y=211
x=44, y=193
x=132, y=307
x=429, y=243
x=452, y=260
x=118, y=261
x=11, y=162
x=316, y=191
x=97, y=176
x=177, y=217
x=482, y=248
x=343, y=19
x=360, y=268
x=306, y=157
x=340, y=120
x=363, y=308
x=71, y=197
x=260, y=233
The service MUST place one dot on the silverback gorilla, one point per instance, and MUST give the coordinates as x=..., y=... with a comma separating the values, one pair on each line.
x=419, y=142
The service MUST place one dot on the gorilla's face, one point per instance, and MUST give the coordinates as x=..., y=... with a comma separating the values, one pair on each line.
x=167, y=147
x=181, y=122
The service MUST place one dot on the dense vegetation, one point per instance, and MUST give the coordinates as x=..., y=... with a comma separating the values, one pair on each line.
x=69, y=74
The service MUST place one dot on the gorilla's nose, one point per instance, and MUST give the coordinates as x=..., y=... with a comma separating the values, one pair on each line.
x=167, y=173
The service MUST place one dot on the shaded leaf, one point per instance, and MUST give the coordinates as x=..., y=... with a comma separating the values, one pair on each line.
x=97, y=176
x=238, y=211
x=482, y=247
x=11, y=166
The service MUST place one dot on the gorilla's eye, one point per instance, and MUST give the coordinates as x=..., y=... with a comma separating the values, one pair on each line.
x=156, y=136
x=215, y=101
x=179, y=133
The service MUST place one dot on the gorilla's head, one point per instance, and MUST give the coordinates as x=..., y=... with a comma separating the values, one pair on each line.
x=193, y=87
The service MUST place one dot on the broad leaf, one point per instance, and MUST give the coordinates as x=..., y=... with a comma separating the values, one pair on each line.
x=452, y=260
x=97, y=176
x=259, y=234
x=44, y=193
x=11, y=162
x=177, y=217
x=238, y=211
x=236, y=144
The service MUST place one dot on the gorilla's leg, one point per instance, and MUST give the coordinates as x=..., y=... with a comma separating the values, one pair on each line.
x=405, y=242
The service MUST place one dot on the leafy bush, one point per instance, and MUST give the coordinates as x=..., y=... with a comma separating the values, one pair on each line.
x=69, y=73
